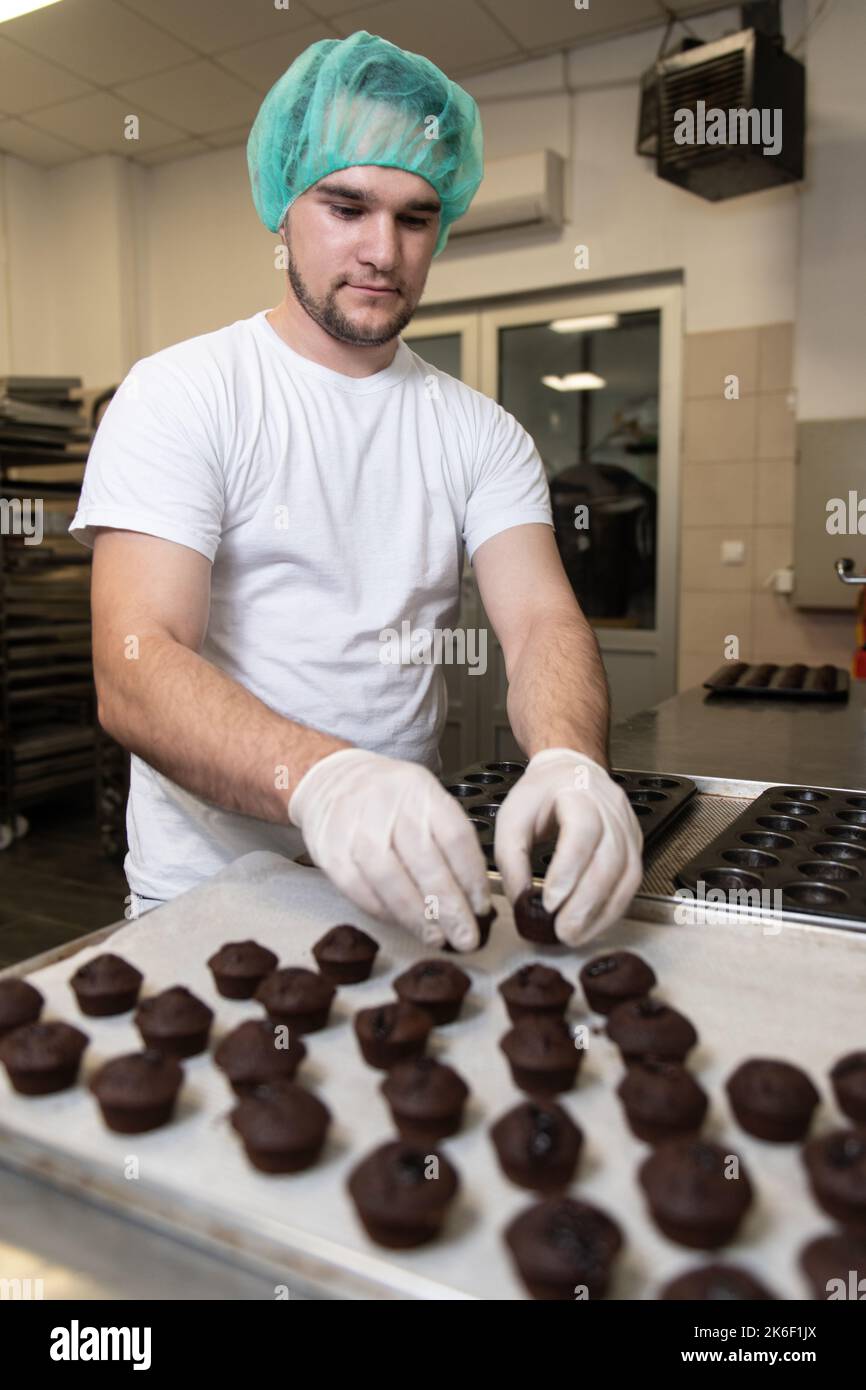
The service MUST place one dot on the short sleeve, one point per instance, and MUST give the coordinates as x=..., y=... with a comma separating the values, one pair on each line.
x=510, y=487
x=154, y=464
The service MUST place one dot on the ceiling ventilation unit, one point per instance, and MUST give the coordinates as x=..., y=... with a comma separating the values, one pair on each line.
x=520, y=191
x=728, y=117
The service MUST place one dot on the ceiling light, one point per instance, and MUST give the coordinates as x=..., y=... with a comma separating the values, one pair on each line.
x=575, y=381
x=12, y=9
x=588, y=324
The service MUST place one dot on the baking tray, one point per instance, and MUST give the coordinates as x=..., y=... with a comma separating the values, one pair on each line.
x=793, y=682
x=743, y=988
x=809, y=843
x=657, y=798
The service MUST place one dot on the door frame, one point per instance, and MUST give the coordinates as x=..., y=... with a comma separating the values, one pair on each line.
x=668, y=299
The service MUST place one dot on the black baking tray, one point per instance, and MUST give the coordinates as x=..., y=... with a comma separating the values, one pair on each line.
x=656, y=797
x=809, y=842
x=794, y=682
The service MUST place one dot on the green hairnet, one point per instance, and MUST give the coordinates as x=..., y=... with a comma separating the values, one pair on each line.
x=361, y=100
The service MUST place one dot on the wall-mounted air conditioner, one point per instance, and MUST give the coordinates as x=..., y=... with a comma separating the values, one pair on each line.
x=521, y=190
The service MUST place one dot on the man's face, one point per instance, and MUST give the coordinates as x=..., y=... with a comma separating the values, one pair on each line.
x=360, y=243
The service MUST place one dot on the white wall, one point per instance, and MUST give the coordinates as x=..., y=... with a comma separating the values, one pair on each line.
x=105, y=262
x=830, y=343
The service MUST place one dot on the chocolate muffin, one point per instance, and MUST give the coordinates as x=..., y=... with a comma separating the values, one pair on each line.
x=485, y=922
x=772, y=1100
x=542, y=1055
x=535, y=989
x=282, y=1125
x=239, y=967
x=848, y=1078
x=615, y=978
x=42, y=1057
x=299, y=998
x=174, y=1022
x=533, y=921
x=561, y=1246
x=252, y=1054
x=836, y=1164
x=538, y=1145
x=647, y=1029
x=20, y=1003
x=829, y=1261
x=137, y=1092
x=662, y=1101
x=721, y=1283
x=436, y=986
x=390, y=1033
x=345, y=955
x=106, y=985
x=426, y=1099
x=401, y=1192
x=691, y=1199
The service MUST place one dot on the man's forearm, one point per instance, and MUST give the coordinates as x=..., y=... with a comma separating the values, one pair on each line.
x=210, y=735
x=557, y=689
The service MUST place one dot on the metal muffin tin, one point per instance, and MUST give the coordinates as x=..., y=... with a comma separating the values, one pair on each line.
x=810, y=842
x=657, y=798
x=795, y=682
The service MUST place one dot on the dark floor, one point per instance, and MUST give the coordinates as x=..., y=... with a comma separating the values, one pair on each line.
x=55, y=883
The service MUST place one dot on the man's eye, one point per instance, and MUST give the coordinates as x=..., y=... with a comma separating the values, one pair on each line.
x=342, y=210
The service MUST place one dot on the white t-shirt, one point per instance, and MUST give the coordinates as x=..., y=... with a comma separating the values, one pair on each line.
x=332, y=508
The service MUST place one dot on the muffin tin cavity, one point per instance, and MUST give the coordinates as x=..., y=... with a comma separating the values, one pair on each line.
x=656, y=799
x=808, y=842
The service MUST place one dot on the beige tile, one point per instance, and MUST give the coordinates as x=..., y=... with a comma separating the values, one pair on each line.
x=701, y=567
x=776, y=357
x=774, y=549
x=693, y=669
x=710, y=357
x=716, y=430
x=777, y=426
x=707, y=621
x=718, y=494
x=774, y=492
x=785, y=633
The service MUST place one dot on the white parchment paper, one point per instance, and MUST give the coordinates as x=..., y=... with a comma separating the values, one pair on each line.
x=797, y=995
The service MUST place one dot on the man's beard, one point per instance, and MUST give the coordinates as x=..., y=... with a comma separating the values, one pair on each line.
x=327, y=314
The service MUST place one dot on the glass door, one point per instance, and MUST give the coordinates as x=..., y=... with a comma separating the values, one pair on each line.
x=595, y=379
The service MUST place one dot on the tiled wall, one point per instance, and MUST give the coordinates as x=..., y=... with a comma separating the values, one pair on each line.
x=738, y=484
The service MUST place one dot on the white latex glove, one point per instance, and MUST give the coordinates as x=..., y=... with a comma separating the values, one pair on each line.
x=597, y=866
x=390, y=837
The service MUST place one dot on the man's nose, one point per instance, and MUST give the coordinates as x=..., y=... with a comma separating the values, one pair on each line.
x=379, y=245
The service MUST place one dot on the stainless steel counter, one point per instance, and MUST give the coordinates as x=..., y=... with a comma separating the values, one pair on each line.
x=789, y=742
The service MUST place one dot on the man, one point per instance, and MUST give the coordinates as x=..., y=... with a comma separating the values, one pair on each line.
x=266, y=501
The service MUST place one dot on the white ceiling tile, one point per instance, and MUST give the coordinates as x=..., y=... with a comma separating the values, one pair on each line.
x=224, y=139
x=455, y=34
x=97, y=39
x=197, y=97
x=17, y=137
x=263, y=62
x=184, y=149
x=540, y=23
x=211, y=25
x=96, y=122
x=329, y=8
x=27, y=81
